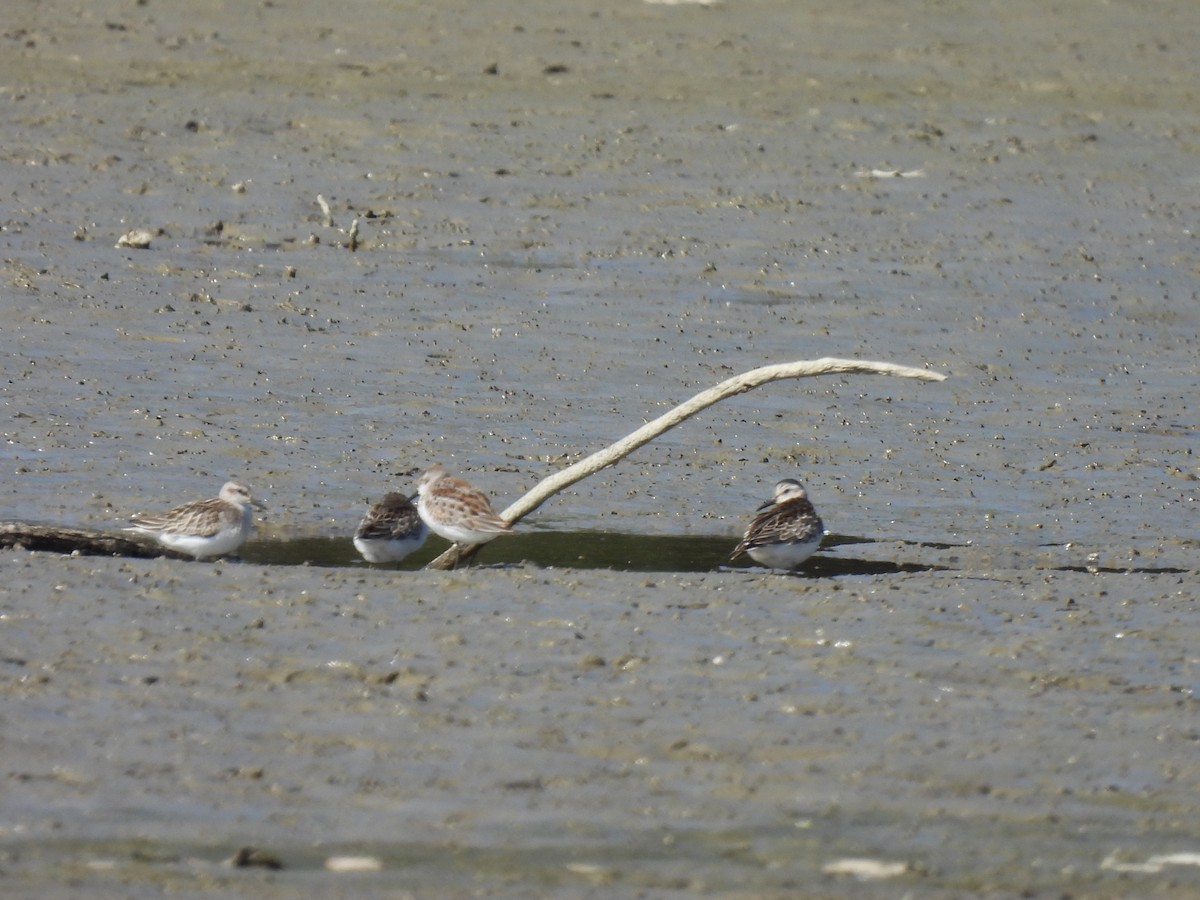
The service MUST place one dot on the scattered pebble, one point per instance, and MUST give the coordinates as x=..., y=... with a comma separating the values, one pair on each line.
x=596, y=874
x=865, y=869
x=138, y=239
x=1153, y=865
x=889, y=173
x=353, y=864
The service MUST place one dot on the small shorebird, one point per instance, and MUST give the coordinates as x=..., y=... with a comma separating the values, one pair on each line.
x=205, y=528
x=786, y=531
x=454, y=509
x=391, y=529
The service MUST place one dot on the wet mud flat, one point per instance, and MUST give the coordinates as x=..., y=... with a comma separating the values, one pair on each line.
x=569, y=218
x=516, y=729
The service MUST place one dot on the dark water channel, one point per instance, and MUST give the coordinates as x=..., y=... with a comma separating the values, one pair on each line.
x=580, y=550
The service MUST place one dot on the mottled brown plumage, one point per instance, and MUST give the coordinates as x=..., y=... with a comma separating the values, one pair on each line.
x=391, y=530
x=786, y=531
x=205, y=528
x=456, y=510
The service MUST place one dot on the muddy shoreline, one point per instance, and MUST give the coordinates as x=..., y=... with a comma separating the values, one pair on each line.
x=569, y=219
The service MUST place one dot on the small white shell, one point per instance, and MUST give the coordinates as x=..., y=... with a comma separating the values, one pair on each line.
x=138, y=239
x=353, y=864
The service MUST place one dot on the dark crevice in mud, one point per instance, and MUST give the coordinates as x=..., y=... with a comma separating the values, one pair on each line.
x=1125, y=570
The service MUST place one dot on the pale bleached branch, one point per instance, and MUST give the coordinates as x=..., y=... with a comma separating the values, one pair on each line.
x=739, y=384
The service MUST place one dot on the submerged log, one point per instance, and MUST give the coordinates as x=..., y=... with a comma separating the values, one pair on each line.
x=78, y=541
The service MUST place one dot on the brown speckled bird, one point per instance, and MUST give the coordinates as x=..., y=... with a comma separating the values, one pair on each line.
x=454, y=509
x=786, y=531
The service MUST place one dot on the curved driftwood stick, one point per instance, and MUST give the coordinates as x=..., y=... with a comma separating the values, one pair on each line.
x=739, y=384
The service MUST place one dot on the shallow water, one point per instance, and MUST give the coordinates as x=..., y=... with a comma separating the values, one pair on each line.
x=571, y=550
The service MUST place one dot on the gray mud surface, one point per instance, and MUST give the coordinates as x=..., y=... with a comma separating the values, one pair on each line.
x=571, y=217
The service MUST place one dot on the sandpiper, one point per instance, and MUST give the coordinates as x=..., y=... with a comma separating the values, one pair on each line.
x=454, y=509
x=786, y=531
x=391, y=530
x=204, y=528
